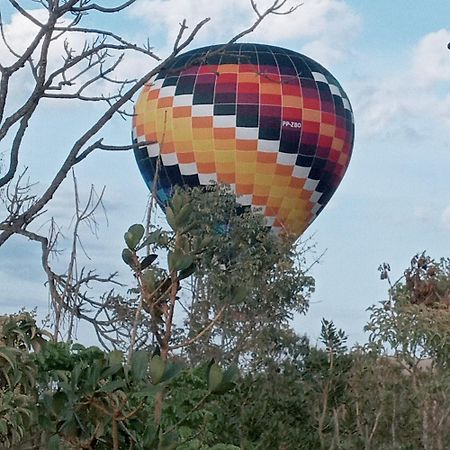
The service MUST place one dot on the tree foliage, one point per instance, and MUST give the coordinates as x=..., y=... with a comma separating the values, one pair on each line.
x=69, y=396
x=259, y=277
x=306, y=397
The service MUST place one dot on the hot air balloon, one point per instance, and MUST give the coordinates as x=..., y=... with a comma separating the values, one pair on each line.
x=272, y=123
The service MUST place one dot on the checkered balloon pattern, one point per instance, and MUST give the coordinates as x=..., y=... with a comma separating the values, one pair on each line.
x=273, y=124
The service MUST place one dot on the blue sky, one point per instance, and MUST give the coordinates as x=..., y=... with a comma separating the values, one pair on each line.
x=392, y=60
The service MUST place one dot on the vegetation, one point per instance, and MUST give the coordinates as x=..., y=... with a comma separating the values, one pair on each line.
x=183, y=392
x=68, y=396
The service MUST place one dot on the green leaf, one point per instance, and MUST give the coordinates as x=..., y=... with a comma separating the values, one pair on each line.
x=7, y=378
x=127, y=256
x=149, y=280
x=173, y=368
x=231, y=374
x=139, y=364
x=91, y=376
x=71, y=426
x=59, y=402
x=45, y=422
x=224, y=447
x=168, y=441
x=75, y=375
x=203, y=244
x=76, y=347
x=177, y=201
x=3, y=427
x=185, y=273
x=163, y=240
x=149, y=391
x=150, y=436
x=151, y=238
x=177, y=261
x=184, y=262
x=134, y=235
x=239, y=293
x=53, y=443
x=228, y=382
x=182, y=217
x=112, y=386
x=9, y=355
x=111, y=370
x=215, y=377
x=156, y=368
x=147, y=261
x=189, y=227
x=172, y=260
x=170, y=216
x=115, y=357
x=224, y=388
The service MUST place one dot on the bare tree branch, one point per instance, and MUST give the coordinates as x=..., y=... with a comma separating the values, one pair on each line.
x=67, y=290
x=97, y=31
x=103, y=9
x=109, y=148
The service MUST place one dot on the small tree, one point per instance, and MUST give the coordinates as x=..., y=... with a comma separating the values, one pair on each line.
x=236, y=282
x=253, y=278
x=415, y=322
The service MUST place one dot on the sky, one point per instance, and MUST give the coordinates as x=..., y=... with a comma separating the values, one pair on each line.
x=390, y=57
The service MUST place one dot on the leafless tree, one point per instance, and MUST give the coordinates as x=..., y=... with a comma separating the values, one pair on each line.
x=86, y=74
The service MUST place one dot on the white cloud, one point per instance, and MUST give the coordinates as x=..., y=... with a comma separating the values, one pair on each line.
x=165, y=16
x=430, y=61
x=19, y=34
x=322, y=28
x=446, y=217
x=384, y=103
x=411, y=97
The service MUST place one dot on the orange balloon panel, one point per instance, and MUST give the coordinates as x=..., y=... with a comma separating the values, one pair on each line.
x=273, y=124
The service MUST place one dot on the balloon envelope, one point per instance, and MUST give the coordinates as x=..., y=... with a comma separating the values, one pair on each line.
x=270, y=122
